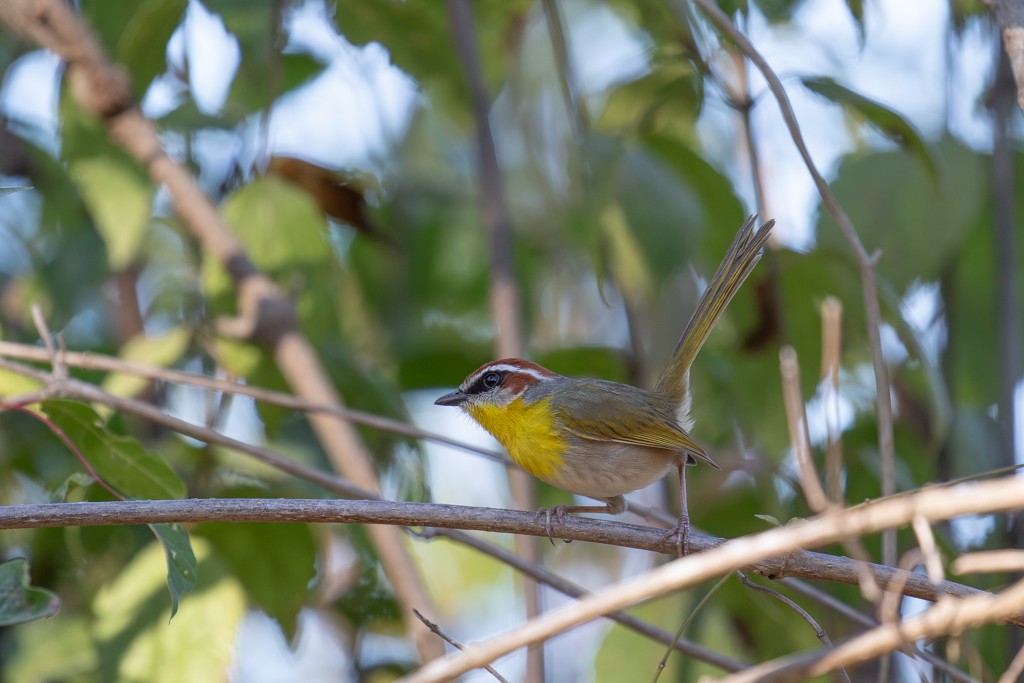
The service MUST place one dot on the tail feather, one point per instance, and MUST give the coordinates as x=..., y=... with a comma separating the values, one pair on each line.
x=741, y=258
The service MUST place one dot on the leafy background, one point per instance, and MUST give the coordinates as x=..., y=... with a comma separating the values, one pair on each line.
x=339, y=142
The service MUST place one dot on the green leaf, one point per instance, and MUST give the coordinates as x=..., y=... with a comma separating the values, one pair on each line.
x=888, y=122
x=73, y=481
x=13, y=383
x=159, y=350
x=280, y=582
x=281, y=226
x=119, y=197
x=182, y=570
x=627, y=264
x=773, y=521
x=668, y=99
x=134, y=638
x=20, y=602
x=919, y=228
x=418, y=36
x=141, y=46
x=119, y=460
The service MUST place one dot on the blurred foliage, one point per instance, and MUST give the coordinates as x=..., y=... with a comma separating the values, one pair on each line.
x=616, y=224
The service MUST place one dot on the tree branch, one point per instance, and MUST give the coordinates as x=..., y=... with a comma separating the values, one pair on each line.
x=1002, y=495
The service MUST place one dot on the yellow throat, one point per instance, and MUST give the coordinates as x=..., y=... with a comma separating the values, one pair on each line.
x=526, y=431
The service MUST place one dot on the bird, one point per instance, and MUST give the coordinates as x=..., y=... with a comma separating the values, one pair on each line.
x=603, y=439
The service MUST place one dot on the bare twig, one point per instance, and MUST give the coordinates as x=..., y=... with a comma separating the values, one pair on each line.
x=1015, y=669
x=929, y=551
x=819, y=632
x=569, y=588
x=798, y=438
x=831, y=354
x=1006, y=494
x=454, y=643
x=96, y=361
x=705, y=599
x=946, y=617
x=858, y=617
x=865, y=261
x=574, y=102
x=989, y=561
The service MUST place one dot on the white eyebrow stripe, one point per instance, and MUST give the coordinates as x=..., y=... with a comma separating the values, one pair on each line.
x=504, y=367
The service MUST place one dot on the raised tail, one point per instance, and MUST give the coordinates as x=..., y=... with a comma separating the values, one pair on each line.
x=741, y=258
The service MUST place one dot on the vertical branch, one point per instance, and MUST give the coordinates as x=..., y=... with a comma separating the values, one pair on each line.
x=1007, y=302
x=504, y=293
x=574, y=103
x=865, y=261
x=831, y=352
x=1010, y=16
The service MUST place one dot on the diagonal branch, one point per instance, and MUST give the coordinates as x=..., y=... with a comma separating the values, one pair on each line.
x=865, y=261
x=265, y=314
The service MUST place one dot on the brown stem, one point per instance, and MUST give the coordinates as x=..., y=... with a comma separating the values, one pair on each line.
x=504, y=292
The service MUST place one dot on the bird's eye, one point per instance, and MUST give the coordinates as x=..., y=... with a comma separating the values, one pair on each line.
x=492, y=379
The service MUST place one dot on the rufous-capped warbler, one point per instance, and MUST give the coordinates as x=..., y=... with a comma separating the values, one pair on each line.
x=603, y=439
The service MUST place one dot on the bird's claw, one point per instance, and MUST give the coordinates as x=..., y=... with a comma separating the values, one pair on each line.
x=559, y=511
x=681, y=533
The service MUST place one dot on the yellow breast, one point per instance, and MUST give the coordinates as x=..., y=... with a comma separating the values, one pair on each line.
x=527, y=432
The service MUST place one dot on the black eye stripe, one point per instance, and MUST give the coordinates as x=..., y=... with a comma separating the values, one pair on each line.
x=486, y=382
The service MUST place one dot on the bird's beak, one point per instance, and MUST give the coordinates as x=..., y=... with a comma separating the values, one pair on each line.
x=455, y=398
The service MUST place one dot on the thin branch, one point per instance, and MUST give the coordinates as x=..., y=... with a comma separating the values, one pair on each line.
x=705, y=599
x=574, y=102
x=96, y=361
x=266, y=315
x=989, y=561
x=831, y=354
x=454, y=643
x=945, y=618
x=756, y=556
x=865, y=261
x=799, y=440
x=819, y=632
x=1015, y=669
x=909, y=649
x=566, y=587
x=1005, y=495
x=503, y=292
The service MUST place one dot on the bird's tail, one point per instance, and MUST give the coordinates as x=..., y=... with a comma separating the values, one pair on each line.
x=741, y=258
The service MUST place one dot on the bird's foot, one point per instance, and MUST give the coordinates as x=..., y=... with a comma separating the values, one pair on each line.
x=681, y=533
x=559, y=512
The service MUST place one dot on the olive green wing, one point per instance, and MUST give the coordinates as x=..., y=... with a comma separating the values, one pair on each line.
x=626, y=415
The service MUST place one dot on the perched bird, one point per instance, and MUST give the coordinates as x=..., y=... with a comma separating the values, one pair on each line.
x=603, y=439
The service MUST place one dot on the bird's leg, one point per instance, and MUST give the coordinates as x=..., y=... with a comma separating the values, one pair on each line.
x=560, y=511
x=681, y=531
